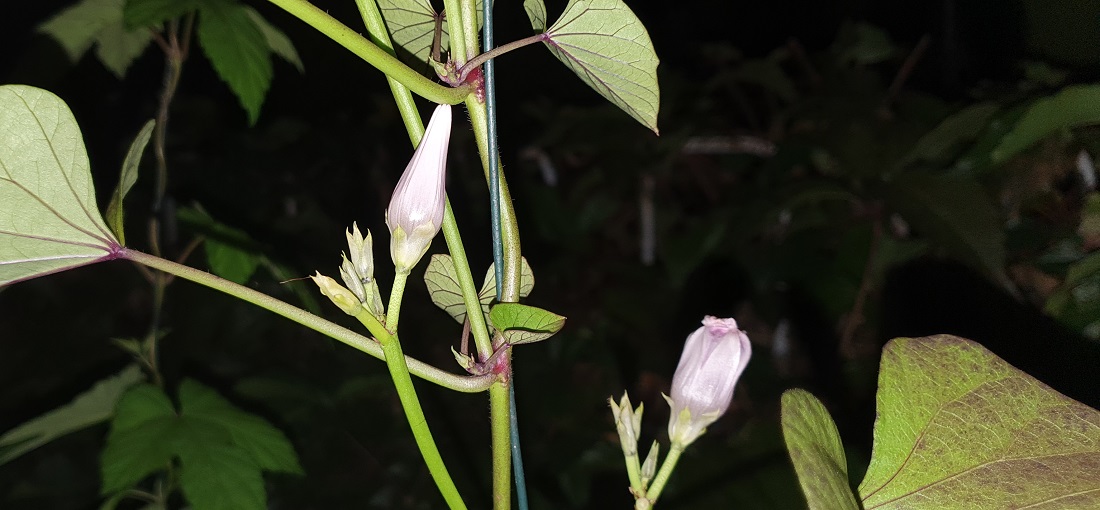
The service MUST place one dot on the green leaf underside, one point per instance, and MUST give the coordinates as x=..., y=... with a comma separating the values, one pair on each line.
x=523, y=324
x=49, y=220
x=958, y=428
x=126, y=180
x=816, y=451
x=446, y=293
x=222, y=450
x=536, y=12
x=117, y=46
x=606, y=45
x=277, y=41
x=89, y=408
x=412, y=26
x=238, y=51
x=75, y=28
x=153, y=13
x=1072, y=107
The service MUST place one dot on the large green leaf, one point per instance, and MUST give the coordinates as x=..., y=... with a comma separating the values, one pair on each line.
x=956, y=215
x=816, y=451
x=958, y=428
x=127, y=177
x=1072, y=107
x=606, y=45
x=223, y=478
x=279, y=43
x=89, y=408
x=412, y=26
x=142, y=438
x=238, y=51
x=152, y=13
x=49, y=220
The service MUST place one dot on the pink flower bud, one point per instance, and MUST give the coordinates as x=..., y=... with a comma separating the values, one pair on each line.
x=714, y=357
x=415, y=214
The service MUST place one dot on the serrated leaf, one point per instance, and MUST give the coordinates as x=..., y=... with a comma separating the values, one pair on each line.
x=446, y=293
x=816, y=451
x=536, y=12
x=1072, y=107
x=49, y=220
x=231, y=253
x=606, y=45
x=223, y=478
x=238, y=51
x=411, y=24
x=954, y=213
x=523, y=324
x=153, y=13
x=277, y=41
x=141, y=440
x=92, y=407
x=75, y=28
x=127, y=177
x=959, y=428
x=117, y=47
x=271, y=449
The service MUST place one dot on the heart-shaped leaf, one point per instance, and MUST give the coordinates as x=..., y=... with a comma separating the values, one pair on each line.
x=49, y=220
x=412, y=26
x=959, y=428
x=522, y=324
x=816, y=451
x=606, y=45
x=446, y=292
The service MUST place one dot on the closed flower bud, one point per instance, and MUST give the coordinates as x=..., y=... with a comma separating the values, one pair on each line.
x=415, y=214
x=628, y=422
x=340, y=296
x=362, y=253
x=714, y=357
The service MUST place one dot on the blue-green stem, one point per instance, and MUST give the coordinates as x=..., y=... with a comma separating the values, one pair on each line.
x=373, y=55
x=406, y=392
x=661, y=479
x=393, y=311
x=462, y=383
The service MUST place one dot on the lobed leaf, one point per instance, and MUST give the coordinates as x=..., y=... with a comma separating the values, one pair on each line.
x=49, y=220
x=222, y=478
x=117, y=47
x=75, y=28
x=153, y=13
x=238, y=51
x=816, y=451
x=959, y=428
x=606, y=45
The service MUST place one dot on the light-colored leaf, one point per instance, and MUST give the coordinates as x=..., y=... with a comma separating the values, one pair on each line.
x=238, y=51
x=126, y=180
x=489, y=287
x=605, y=44
x=49, y=220
x=1072, y=107
x=446, y=293
x=117, y=47
x=92, y=407
x=76, y=28
x=536, y=12
x=412, y=26
x=816, y=451
x=279, y=43
x=958, y=428
x=523, y=324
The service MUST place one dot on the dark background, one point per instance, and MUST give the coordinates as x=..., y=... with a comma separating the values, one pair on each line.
x=328, y=149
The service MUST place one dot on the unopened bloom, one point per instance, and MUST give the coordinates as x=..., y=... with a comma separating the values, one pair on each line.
x=340, y=296
x=714, y=357
x=358, y=271
x=415, y=214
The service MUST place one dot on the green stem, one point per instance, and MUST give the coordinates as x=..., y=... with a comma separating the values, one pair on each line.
x=376, y=29
x=499, y=424
x=466, y=281
x=399, y=372
x=633, y=472
x=393, y=312
x=496, y=52
x=465, y=384
x=456, y=29
x=373, y=55
x=661, y=479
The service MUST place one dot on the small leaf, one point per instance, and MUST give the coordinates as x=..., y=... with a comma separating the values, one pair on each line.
x=816, y=451
x=76, y=28
x=89, y=408
x=117, y=47
x=277, y=41
x=153, y=13
x=605, y=44
x=238, y=51
x=523, y=324
x=221, y=478
x=49, y=220
x=489, y=287
x=1072, y=107
x=446, y=293
x=412, y=26
x=231, y=253
x=126, y=180
x=536, y=12
x=959, y=428
x=271, y=449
